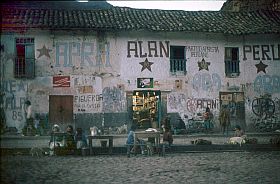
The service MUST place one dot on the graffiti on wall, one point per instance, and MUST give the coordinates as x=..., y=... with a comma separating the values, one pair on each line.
x=14, y=99
x=88, y=98
x=201, y=51
x=114, y=99
x=267, y=84
x=267, y=113
x=206, y=82
x=261, y=52
x=147, y=49
x=176, y=101
x=69, y=52
x=88, y=103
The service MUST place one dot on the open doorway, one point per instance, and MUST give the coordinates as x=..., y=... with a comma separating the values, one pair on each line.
x=146, y=108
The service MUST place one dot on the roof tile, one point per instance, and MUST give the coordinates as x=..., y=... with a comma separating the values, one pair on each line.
x=120, y=18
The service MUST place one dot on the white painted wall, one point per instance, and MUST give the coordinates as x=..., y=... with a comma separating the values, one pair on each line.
x=117, y=73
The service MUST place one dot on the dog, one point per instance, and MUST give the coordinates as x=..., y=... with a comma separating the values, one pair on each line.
x=237, y=140
x=36, y=151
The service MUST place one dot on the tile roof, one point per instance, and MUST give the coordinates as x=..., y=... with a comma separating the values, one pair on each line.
x=122, y=18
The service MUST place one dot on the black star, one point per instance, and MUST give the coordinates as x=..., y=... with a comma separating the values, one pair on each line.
x=203, y=65
x=261, y=67
x=146, y=64
x=44, y=51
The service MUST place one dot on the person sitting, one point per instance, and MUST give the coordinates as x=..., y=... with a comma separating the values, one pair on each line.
x=55, y=141
x=238, y=132
x=70, y=140
x=80, y=139
x=130, y=141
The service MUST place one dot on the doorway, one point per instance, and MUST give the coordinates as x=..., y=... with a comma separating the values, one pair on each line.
x=61, y=110
x=146, y=108
x=235, y=102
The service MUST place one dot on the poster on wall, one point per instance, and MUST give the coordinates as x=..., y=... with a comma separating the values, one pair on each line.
x=61, y=81
x=145, y=83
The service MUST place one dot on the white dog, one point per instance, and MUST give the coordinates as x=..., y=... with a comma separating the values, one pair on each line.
x=237, y=140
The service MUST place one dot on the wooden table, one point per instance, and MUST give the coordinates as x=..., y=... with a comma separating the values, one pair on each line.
x=144, y=134
x=90, y=138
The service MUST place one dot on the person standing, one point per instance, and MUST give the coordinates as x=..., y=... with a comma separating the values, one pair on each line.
x=29, y=128
x=224, y=118
x=208, y=116
x=167, y=136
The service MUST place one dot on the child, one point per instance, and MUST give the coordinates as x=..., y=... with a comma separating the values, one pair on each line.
x=80, y=139
x=238, y=131
x=130, y=140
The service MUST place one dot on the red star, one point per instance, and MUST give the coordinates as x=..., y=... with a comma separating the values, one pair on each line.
x=146, y=64
x=261, y=67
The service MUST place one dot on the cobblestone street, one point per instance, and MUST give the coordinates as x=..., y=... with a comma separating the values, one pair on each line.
x=226, y=167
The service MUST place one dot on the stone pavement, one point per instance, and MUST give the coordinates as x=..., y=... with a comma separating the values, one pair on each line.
x=227, y=167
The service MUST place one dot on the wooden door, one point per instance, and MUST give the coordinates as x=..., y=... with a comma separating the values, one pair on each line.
x=61, y=110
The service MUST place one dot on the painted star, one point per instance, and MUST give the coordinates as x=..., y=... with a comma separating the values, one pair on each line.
x=146, y=65
x=44, y=51
x=261, y=67
x=203, y=65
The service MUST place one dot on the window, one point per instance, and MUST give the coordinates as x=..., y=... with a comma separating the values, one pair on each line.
x=177, y=60
x=232, y=62
x=25, y=58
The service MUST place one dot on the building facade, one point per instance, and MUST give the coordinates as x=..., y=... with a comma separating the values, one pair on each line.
x=108, y=67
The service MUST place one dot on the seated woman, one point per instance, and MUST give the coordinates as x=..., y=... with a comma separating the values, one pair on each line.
x=70, y=140
x=238, y=132
x=130, y=140
x=55, y=141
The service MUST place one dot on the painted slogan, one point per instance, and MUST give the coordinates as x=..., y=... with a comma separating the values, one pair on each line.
x=88, y=98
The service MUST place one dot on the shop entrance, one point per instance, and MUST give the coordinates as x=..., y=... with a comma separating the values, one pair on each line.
x=146, y=108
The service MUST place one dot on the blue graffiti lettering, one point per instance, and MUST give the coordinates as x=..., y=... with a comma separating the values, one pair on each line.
x=206, y=82
x=267, y=84
x=12, y=86
x=87, y=51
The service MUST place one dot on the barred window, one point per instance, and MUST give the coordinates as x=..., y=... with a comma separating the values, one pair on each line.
x=177, y=60
x=232, y=61
x=24, y=64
